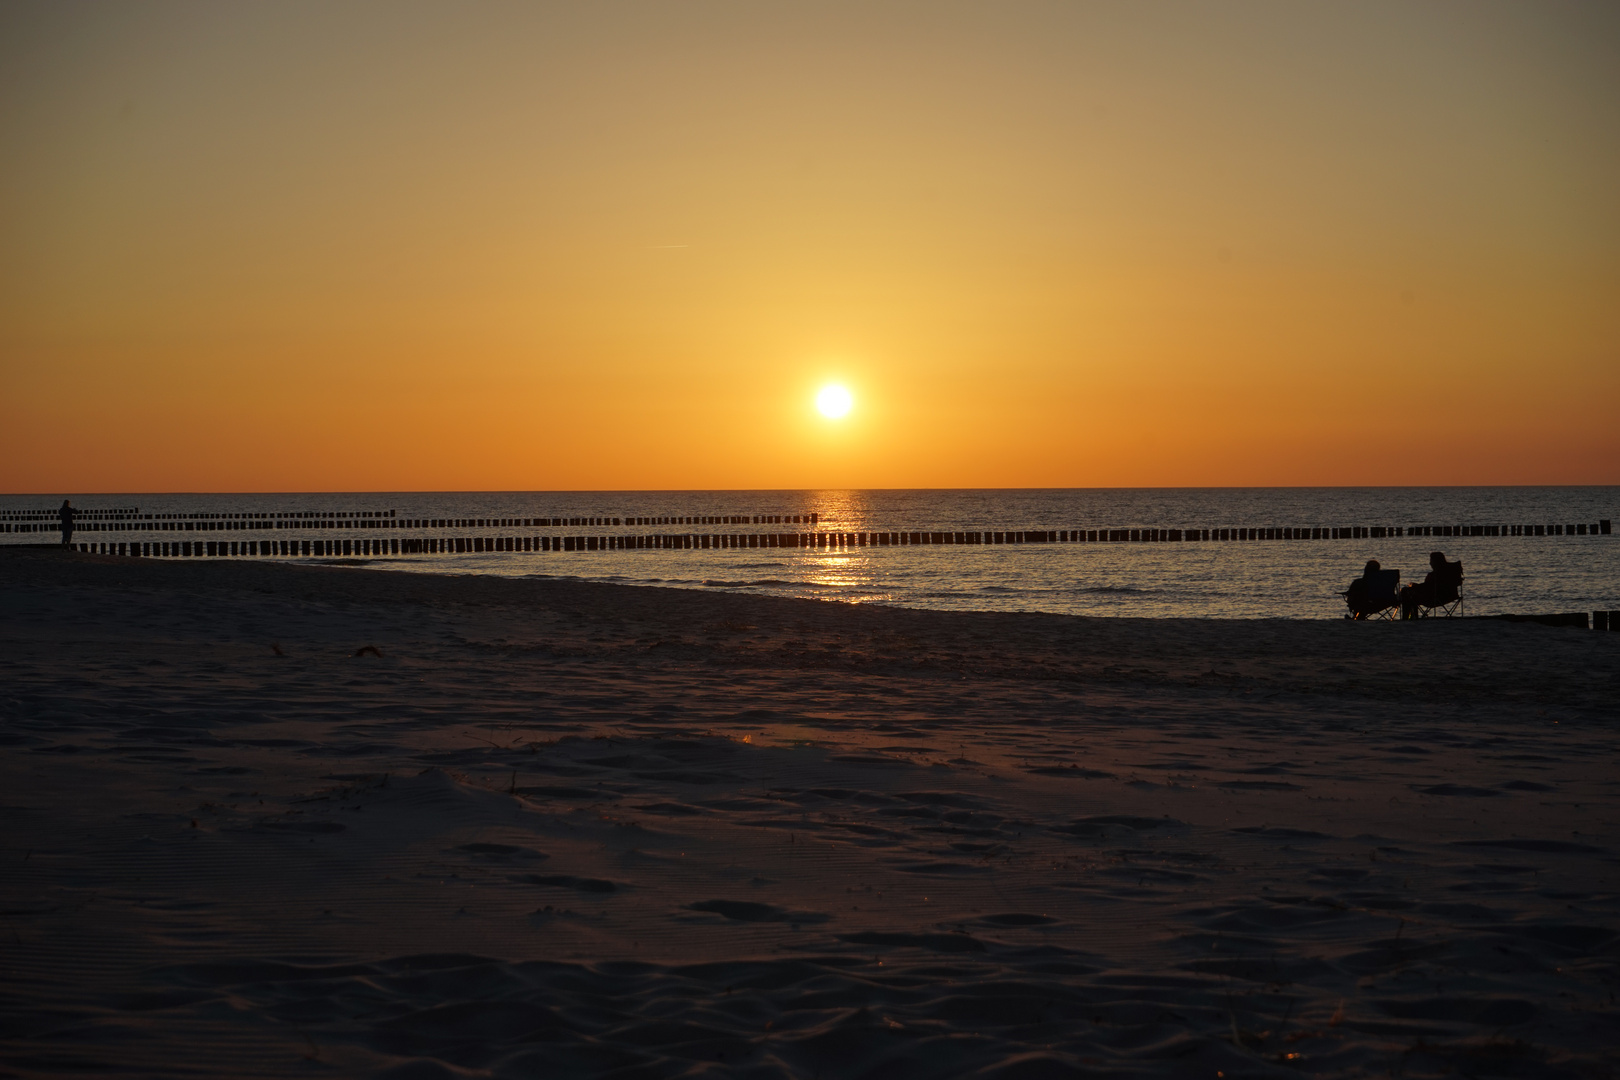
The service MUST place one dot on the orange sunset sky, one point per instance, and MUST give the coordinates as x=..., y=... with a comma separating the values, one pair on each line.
x=403, y=246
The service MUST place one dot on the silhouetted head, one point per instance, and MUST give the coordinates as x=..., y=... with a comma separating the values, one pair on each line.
x=1437, y=559
x=1372, y=566
x=65, y=504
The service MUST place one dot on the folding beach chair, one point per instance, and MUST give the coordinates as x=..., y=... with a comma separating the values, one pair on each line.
x=1380, y=595
x=1447, y=601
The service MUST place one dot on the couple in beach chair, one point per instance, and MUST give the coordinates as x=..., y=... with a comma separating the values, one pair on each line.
x=1377, y=592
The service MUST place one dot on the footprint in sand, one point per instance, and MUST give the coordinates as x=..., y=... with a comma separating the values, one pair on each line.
x=568, y=881
x=499, y=852
x=748, y=911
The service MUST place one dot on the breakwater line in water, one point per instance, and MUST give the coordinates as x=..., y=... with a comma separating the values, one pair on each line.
x=817, y=540
x=130, y=519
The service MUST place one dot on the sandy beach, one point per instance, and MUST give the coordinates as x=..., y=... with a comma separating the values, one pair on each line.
x=280, y=820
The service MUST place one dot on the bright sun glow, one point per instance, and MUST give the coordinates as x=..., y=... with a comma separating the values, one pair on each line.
x=834, y=402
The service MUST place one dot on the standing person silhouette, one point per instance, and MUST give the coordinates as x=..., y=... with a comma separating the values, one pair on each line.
x=66, y=516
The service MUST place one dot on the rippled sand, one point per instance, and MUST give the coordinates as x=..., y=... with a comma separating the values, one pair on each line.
x=566, y=829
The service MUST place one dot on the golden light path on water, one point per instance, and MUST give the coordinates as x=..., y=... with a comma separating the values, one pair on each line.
x=851, y=575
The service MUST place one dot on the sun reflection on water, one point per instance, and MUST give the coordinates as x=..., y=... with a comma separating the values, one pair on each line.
x=848, y=576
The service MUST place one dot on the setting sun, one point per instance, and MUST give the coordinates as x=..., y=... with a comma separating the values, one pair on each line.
x=834, y=402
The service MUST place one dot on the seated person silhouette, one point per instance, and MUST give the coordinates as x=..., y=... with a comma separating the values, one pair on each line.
x=1372, y=592
x=1440, y=586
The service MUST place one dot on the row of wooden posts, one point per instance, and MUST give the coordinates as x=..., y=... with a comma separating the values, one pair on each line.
x=469, y=545
x=109, y=521
x=115, y=513
x=426, y=546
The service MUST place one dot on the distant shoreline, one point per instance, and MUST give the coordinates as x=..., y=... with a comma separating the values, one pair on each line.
x=1060, y=645
x=1565, y=619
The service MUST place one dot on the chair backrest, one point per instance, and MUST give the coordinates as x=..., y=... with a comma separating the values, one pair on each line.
x=1448, y=585
x=1383, y=586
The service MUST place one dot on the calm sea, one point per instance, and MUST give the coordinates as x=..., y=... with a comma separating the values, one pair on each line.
x=1294, y=579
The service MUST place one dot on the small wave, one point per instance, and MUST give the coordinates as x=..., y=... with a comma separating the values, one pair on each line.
x=758, y=565
x=778, y=583
x=1125, y=590
x=714, y=583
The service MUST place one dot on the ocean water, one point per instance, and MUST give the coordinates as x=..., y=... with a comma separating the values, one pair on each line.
x=1243, y=579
